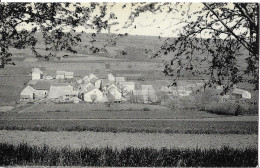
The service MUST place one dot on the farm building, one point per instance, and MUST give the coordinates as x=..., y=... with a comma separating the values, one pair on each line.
x=69, y=75
x=62, y=92
x=113, y=90
x=37, y=74
x=27, y=94
x=240, y=93
x=111, y=77
x=96, y=82
x=32, y=82
x=60, y=74
x=92, y=94
x=42, y=88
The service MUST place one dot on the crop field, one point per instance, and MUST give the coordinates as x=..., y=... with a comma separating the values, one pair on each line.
x=24, y=154
x=149, y=126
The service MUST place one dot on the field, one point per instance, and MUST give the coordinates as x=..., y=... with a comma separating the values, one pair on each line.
x=102, y=111
x=134, y=126
x=24, y=154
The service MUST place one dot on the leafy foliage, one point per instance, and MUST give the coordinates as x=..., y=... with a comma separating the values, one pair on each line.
x=220, y=31
x=57, y=22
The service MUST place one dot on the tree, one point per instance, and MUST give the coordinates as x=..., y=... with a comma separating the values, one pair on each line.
x=93, y=98
x=56, y=22
x=232, y=29
x=216, y=35
x=110, y=99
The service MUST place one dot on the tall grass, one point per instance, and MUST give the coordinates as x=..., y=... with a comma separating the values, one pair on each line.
x=25, y=155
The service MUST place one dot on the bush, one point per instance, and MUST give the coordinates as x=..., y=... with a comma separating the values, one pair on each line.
x=231, y=108
x=107, y=65
x=146, y=109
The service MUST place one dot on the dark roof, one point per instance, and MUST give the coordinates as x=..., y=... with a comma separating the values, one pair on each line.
x=42, y=85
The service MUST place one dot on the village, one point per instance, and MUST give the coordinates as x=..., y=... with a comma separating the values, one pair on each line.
x=65, y=88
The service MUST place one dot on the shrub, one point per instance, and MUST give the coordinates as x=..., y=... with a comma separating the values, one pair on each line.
x=231, y=108
x=146, y=109
x=107, y=65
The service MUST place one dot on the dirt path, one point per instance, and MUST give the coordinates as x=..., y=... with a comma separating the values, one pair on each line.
x=121, y=140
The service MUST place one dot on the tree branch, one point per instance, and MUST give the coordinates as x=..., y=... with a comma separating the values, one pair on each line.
x=243, y=42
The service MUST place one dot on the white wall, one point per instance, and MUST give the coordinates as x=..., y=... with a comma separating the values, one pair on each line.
x=98, y=93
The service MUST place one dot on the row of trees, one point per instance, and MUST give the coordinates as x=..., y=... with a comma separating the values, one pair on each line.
x=230, y=28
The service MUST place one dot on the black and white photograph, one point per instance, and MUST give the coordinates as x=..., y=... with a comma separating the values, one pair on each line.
x=129, y=84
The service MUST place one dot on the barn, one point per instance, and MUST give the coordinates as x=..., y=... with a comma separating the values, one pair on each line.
x=62, y=92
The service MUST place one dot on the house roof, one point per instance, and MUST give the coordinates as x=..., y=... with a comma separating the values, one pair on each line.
x=60, y=72
x=93, y=80
x=85, y=78
x=113, y=87
x=42, y=85
x=147, y=87
x=120, y=79
x=110, y=75
x=37, y=70
x=26, y=89
x=92, y=76
x=106, y=82
x=239, y=91
x=127, y=83
x=32, y=82
x=60, y=90
x=69, y=73
x=90, y=88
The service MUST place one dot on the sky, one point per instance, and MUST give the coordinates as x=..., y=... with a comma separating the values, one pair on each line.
x=161, y=23
x=165, y=24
